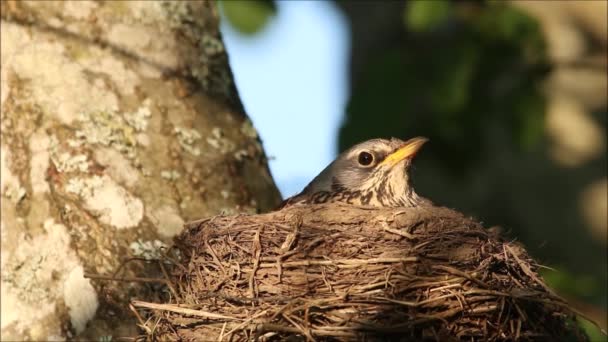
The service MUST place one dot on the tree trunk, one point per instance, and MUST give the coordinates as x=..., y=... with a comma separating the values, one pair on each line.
x=120, y=122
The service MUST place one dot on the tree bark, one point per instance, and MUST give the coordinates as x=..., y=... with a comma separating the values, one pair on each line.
x=120, y=122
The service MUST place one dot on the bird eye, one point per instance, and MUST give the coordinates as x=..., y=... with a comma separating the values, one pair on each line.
x=365, y=158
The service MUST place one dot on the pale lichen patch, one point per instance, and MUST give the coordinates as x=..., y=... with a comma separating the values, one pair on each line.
x=66, y=162
x=13, y=38
x=114, y=205
x=240, y=154
x=10, y=187
x=124, y=79
x=107, y=128
x=143, y=140
x=130, y=36
x=208, y=63
x=176, y=12
x=185, y=202
x=11, y=226
x=166, y=219
x=4, y=89
x=147, y=12
x=119, y=131
x=140, y=117
x=32, y=281
x=248, y=130
x=170, y=175
x=63, y=159
x=148, y=250
x=80, y=298
x=211, y=45
x=56, y=78
x=19, y=316
x=79, y=9
x=187, y=138
x=153, y=46
x=39, y=163
x=81, y=186
x=117, y=166
x=218, y=141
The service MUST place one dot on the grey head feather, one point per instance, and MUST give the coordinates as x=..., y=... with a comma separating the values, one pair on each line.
x=345, y=170
x=390, y=184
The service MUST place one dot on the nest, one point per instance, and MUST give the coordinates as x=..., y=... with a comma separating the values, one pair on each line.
x=333, y=272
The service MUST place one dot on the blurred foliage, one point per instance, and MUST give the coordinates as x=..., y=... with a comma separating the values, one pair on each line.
x=579, y=285
x=458, y=69
x=248, y=16
x=593, y=332
x=424, y=15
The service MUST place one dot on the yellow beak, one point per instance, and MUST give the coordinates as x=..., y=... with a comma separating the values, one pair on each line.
x=408, y=150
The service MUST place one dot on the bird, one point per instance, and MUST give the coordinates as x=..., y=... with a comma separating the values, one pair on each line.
x=373, y=173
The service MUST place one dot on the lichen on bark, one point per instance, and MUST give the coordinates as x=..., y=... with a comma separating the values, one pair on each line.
x=120, y=121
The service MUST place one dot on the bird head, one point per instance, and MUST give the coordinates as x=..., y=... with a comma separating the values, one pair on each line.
x=377, y=170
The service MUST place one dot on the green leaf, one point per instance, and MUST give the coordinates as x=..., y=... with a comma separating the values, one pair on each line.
x=580, y=285
x=248, y=16
x=425, y=15
x=594, y=333
x=530, y=119
x=451, y=88
x=507, y=23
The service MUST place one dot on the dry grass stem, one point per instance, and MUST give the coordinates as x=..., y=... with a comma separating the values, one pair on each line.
x=338, y=273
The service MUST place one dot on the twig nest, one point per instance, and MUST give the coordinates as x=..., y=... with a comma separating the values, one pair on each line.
x=335, y=272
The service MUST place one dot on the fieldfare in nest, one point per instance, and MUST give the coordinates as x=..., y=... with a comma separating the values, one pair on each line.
x=373, y=173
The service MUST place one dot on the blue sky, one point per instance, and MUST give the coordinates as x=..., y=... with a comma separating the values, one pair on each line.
x=292, y=79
